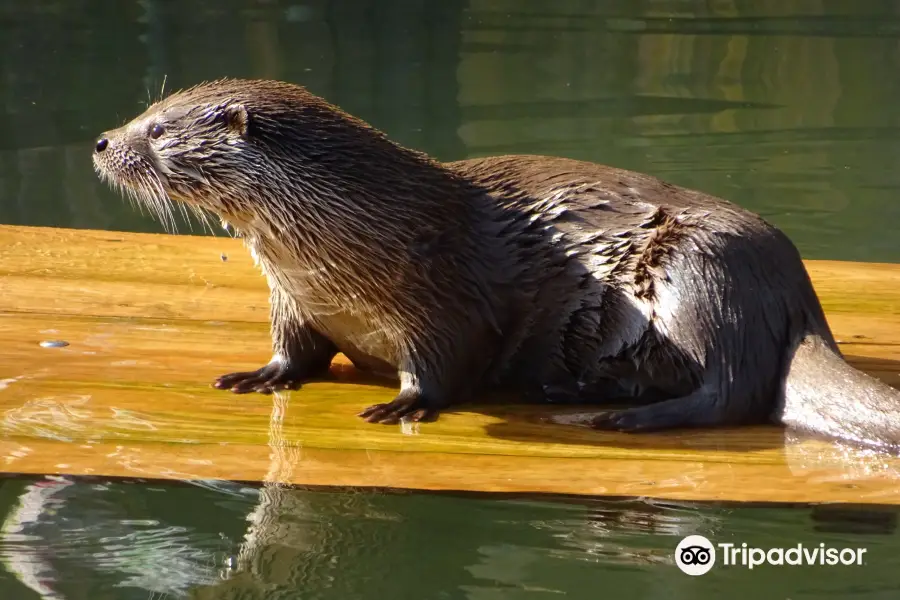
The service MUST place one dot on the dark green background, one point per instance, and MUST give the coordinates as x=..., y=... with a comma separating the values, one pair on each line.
x=787, y=107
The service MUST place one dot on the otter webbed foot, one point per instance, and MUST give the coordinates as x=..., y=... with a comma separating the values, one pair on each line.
x=270, y=378
x=696, y=410
x=409, y=405
x=628, y=421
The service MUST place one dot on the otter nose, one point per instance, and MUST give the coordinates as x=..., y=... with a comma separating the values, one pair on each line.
x=102, y=143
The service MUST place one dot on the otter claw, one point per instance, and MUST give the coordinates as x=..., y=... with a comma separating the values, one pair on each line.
x=266, y=380
x=609, y=421
x=625, y=421
x=402, y=407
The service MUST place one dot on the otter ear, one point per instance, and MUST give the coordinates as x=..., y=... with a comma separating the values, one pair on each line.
x=237, y=119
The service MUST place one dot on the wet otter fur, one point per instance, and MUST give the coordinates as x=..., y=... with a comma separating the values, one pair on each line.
x=568, y=280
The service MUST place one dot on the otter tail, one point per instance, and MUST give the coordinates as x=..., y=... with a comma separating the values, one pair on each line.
x=826, y=396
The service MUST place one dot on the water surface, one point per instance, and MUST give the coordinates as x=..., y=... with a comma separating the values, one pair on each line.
x=98, y=539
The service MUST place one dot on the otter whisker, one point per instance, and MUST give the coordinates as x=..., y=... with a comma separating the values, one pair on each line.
x=169, y=210
x=143, y=195
x=202, y=217
x=142, y=202
x=164, y=202
x=184, y=215
x=148, y=191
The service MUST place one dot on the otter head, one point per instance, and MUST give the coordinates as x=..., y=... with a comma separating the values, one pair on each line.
x=232, y=146
x=178, y=149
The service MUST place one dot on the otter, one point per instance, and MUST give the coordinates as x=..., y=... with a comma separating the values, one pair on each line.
x=562, y=280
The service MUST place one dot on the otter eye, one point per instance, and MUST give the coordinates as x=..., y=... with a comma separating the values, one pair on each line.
x=156, y=131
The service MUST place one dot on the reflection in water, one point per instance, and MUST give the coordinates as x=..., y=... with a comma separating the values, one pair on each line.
x=62, y=530
x=837, y=463
x=74, y=539
x=67, y=417
x=77, y=539
x=26, y=562
x=280, y=518
x=64, y=536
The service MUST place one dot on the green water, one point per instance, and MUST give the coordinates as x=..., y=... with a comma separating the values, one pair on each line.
x=791, y=108
x=149, y=540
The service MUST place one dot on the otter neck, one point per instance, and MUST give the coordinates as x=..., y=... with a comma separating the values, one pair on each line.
x=355, y=206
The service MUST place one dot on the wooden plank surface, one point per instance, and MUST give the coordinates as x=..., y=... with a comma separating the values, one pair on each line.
x=152, y=319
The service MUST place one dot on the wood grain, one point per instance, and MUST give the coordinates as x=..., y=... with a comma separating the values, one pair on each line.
x=152, y=319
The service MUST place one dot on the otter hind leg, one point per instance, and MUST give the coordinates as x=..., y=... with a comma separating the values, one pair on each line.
x=721, y=321
x=694, y=410
x=300, y=353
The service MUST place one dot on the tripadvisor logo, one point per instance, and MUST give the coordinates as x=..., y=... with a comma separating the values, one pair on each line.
x=696, y=555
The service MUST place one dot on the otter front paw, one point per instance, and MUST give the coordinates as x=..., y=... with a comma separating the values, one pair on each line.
x=409, y=405
x=272, y=377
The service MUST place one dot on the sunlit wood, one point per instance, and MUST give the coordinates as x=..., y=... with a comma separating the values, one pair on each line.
x=150, y=320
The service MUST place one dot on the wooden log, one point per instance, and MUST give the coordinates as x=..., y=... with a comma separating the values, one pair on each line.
x=150, y=320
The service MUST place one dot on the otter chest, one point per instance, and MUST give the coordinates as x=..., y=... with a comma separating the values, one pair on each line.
x=315, y=295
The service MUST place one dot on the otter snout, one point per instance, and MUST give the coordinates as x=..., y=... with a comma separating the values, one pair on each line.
x=118, y=151
x=106, y=152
